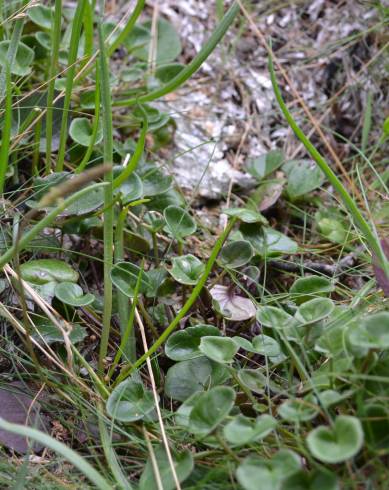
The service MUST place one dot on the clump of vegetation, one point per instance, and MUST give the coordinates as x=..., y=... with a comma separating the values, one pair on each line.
x=140, y=348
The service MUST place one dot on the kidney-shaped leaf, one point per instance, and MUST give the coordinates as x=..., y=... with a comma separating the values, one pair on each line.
x=187, y=269
x=43, y=271
x=179, y=222
x=219, y=349
x=265, y=164
x=184, y=345
x=272, y=317
x=338, y=443
x=50, y=332
x=314, y=310
x=236, y=253
x=81, y=132
x=303, y=177
x=306, y=288
x=372, y=332
x=72, y=294
x=266, y=346
x=299, y=409
x=130, y=401
x=23, y=60
x=246, y=215
x=316, y=480
x=211, y=408
x=40, y=15
x=243, y=430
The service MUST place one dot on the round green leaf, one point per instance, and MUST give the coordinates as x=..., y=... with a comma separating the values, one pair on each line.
x=306, y=288
x=299, y=409
x=265, y=164
x=219, y=349
x=246, y=215
x=211, y=408
x=243, y=430
x=266, y=241
x=303, y=177
x=165, y=73
x=338, y=443
x=81, y=132
x=314, y=310
x=316, y=480
x=124, y=276
x=187, y=377
x=183, y=465
x=155, y=182
x=130, y=401
x=43, y=271
x=179, y=223
x=187, y=269
x=236, y=253
x=51, y=333
x=41, y=16
x=23, y=60
x=266, y=346
x=272, y=317
x=132, y=187
x=372, y=332
x=184, y=345
x=72, y=294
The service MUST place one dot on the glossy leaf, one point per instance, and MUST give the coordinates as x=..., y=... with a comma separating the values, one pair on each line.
x=308, y=287
x=41, y=16
x=130, y=401
x=184, y=345
x=210, y=409
x=338, y=443
x=72, y=294
x=43, y=271
x=264, y=165
x=303, y=177
x=266, y=241
x=236, y=254
x=50, y=332
x=246, y=215
x=219, y=349
x=187, y=269
x=179, y=222
x=81, y=132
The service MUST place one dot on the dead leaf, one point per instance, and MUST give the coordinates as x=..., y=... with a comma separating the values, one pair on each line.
x=233, y=307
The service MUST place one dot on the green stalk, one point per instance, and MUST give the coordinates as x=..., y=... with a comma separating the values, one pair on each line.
x=128, y=28
x=192, y=67
x=72, y=58
x=36, y=152
x=108, y=191
x=139, y=149
x=55, y=42
x=88, y=32
x=6, y=135
x=187, y=306
x=370, y=236
x=47, y=441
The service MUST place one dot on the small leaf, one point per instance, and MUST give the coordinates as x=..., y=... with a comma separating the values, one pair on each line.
x=124, y=276
x=268, y=193
x=314, y=310
x=51, y=333
x=183, y=465
x=303, y=177
x=23, y=60
x=306, y=288
x=266, y=346
x=299, y=409
x=236, y=254
x=43, y=271
x=264, y=165
x=130, y=401
x=243, y=430
x=219, y=349
x=338, y=443
x=183, y=413
x=41, y=16
x=81, y=132
x=155, y=182
x=211, y=408
x=316, y=480
x=328, y=398
x=179, y=223
x=72, y=294
x=187, y=269
x=267, y=242
x=232, y=306
x=184, y=345
x=246, y=215
x=372, y=332
x=165, y=73
x=272, y=317
x=187, y=377
x=131, y=189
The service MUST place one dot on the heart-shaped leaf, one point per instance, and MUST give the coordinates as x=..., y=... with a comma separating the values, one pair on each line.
x=264, y=165
x=314, y=310
x=184, y=345
x=187, y=269
x=130, y=401
x=23, y=60
x=235, y=254
x=266, y=241
x=316, y=480
x=245, y=215
x=272, y=317
x=243, y=430
x=299, y=409
x=187, y=377
x=219, y=349
x=72, y=294
x=179, y=223
x=183, y=465
x=165, y=73
x=210, y=409
x=124, y=276
x=155, y=182
x=50, y=332
x=81, y=132
x=131, y=189
x=306, y=288
x=304, y=176
x=41, y=15
x=232, y=306
x=43, y=271
x=372, y=332
x=338, y=443
x=266, y=346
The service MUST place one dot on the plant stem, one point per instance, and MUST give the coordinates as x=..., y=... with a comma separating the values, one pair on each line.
x=108, y=191
x=6, y=135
